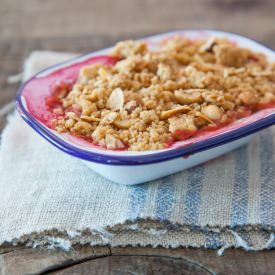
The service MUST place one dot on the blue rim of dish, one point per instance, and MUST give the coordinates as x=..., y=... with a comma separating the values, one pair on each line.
x=159, y=156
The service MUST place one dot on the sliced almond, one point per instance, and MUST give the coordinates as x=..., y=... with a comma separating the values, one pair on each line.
x=124, y=124
x=116, y=100
x=109, y=118
x=189, y=96
x=90, y=118
x=213, y=112
x=204, y=117
x=99, y=133
x=86, y=106
x=131, y=105
x=69, y=123
x=178, y=110
x=113, y=142
x=208, y=45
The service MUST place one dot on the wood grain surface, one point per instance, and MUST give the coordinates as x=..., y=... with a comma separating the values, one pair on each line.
x=83, y=26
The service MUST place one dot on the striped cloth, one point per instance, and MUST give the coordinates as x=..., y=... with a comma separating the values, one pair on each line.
x=50, y=198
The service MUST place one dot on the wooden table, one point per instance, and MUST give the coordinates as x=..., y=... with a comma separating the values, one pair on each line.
x=83, y=26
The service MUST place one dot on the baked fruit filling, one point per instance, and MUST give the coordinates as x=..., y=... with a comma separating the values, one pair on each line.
x=151, y=98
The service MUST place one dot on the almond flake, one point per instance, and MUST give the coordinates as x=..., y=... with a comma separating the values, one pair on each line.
x=90, y=118
x=113, y=142
x=213, y=112
x=189, y=96
x=124, y=124
x=109, y=118
x=208, y=45
x=115, y=100
x=178, y=110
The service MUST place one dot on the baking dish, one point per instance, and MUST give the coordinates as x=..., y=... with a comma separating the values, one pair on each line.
x=129, y=167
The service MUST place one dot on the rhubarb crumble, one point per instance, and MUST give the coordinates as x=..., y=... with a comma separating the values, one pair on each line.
x=152, y=97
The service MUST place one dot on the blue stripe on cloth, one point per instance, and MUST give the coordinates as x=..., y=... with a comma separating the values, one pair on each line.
x=165, y=197
x=137, y=198
x=192, y=200
x=240, y=188
x=267, y=202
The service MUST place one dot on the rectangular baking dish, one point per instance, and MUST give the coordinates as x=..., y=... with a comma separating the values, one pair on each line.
x=128, y=167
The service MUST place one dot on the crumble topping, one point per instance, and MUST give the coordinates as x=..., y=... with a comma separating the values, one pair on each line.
x=152, y=96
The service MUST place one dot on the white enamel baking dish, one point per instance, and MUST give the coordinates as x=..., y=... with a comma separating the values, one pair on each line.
x=131, y=168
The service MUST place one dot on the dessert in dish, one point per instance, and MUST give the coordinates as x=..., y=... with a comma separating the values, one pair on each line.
x=151, y=96
x=213, y=68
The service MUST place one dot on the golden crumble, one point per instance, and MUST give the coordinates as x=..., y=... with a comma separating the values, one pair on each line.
x=152, y=97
